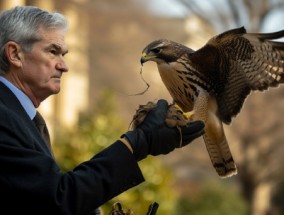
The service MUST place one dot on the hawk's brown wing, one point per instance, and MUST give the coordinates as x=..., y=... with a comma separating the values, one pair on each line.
x=236, y=63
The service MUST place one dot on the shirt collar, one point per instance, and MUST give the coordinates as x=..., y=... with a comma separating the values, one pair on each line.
x=23, y=98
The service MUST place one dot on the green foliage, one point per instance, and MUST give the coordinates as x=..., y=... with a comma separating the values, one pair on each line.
x=96, y=131
x=157, y=188
x=212, y=199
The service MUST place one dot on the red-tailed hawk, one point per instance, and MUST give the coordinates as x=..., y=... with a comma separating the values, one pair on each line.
x=214, y=81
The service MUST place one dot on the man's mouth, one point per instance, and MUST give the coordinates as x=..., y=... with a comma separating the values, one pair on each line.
x=56, y=77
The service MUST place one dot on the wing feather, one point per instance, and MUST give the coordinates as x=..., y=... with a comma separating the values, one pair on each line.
x=237, y=63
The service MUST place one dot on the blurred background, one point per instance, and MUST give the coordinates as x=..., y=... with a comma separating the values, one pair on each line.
x=98, y=99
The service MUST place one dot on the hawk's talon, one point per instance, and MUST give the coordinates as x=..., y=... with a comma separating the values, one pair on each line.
x=187, y=115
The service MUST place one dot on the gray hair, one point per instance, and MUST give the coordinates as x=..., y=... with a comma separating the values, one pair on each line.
x=21, y=24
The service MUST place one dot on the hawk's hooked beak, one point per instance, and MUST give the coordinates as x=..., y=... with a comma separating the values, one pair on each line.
x=144, y=58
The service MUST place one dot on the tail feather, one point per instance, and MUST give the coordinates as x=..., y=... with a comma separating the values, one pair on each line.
x=205, y=109
x=219, y=151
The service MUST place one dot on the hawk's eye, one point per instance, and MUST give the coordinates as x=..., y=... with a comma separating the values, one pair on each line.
x=156, y=50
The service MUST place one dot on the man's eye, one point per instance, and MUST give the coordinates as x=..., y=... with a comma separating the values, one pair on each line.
x=52, y=51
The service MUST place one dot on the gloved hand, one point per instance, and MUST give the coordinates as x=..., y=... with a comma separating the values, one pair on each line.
x=154, y=137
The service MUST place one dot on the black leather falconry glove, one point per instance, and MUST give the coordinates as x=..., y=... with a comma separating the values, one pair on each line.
x=154, y=137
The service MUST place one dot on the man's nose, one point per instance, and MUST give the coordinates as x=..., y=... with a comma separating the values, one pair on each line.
x=62, y=66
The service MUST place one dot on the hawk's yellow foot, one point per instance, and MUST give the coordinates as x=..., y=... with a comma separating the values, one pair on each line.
x=187, y=115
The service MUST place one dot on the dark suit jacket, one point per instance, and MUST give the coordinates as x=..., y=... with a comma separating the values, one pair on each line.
x=31, y=181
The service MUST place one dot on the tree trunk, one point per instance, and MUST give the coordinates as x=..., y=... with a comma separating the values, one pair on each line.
x=260, y=204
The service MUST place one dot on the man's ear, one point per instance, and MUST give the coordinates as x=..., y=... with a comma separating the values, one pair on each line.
x=14, y=53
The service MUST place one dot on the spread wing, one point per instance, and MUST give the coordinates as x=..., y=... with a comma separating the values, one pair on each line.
x=236, y=63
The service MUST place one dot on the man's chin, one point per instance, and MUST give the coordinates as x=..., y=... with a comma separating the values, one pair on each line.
x=56, y=88
x=55, y=91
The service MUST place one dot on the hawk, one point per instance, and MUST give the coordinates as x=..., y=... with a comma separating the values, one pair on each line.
x=213, y=82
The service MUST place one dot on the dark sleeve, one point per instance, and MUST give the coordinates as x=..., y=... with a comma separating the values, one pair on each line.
x=31, y=181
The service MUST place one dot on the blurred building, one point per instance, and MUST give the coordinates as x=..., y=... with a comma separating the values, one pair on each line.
x=64, y=107
x=105, y=40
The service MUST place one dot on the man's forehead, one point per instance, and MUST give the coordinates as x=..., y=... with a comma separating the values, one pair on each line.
x=55, y=38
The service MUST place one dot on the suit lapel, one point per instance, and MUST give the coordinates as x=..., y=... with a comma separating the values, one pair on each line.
x=10, y=101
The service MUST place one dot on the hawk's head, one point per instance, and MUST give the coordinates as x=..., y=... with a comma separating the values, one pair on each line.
x=163, y=51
